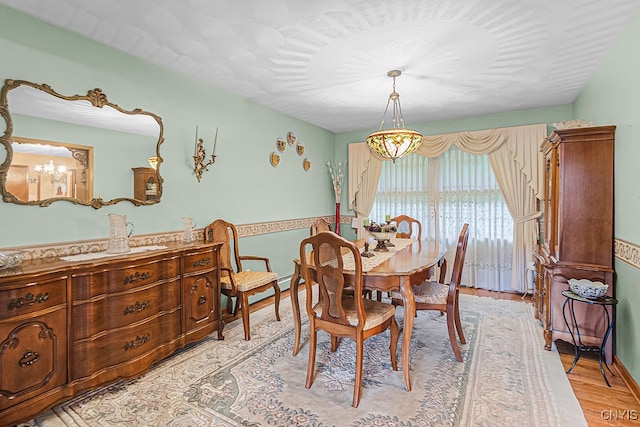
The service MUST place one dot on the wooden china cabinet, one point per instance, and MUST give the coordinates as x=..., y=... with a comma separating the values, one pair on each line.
x=578, y=228
x=68, y=327
x=145, y=184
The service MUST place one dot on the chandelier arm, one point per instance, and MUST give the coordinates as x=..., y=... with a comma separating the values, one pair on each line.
x=400, y=116
x=385, y=114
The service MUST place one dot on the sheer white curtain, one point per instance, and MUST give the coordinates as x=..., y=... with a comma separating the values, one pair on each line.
x=445, y=192
x=470, y=193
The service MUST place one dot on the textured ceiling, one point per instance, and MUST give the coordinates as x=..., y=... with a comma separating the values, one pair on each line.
x=326, y=61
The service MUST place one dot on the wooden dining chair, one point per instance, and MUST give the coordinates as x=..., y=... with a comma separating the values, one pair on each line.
x=408, y=228
x=339, y=312
x=320, y=224
x=444, y=297
x=237, y=282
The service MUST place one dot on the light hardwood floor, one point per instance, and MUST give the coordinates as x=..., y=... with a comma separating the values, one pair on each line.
x=602, y=406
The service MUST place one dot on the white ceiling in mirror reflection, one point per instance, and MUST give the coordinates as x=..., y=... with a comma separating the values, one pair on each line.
x=326, y=62
x=44, y=149
x=33, y=102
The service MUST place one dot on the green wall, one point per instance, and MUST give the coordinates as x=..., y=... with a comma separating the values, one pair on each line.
x=242, y=186
x=611, y=97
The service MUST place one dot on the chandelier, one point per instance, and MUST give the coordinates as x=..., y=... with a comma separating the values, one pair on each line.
x=397, y=141
x=50, y=169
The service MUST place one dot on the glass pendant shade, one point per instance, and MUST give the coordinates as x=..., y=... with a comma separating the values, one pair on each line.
x=396, y=141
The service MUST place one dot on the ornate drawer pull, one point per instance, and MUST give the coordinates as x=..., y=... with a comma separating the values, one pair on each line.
x=137, y=342
x=202, y=299
x=136, y=277
x=138, y=306
x=29, y=358
x=202, y=262
x=29, y=300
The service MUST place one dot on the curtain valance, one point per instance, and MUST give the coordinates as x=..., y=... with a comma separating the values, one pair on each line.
x=523, y=143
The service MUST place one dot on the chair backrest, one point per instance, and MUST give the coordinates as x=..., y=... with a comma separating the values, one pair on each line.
x=221, y=231
x=320, y=224
x=458, y=262
x=406, y=227
x=330, y=275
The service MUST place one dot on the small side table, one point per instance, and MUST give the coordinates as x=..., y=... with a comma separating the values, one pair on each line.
x=604, y=302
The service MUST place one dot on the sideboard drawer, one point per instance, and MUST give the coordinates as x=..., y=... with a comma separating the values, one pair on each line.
x=29, y=297
x=122, y=346
x=199, y=261
x=99, y=281
x=117, y=310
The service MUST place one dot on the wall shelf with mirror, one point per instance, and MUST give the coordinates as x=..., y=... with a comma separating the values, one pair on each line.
x=83, y=127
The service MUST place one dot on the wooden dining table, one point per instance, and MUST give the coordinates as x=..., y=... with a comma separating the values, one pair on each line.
x=409, y=266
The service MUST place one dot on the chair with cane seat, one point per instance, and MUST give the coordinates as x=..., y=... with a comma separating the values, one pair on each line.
x=237, y=282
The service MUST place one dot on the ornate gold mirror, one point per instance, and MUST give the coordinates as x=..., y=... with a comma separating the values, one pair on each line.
x=82, y=149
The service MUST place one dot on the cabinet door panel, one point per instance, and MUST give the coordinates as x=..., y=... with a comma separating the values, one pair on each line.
x=199, y=301
x=32, y=356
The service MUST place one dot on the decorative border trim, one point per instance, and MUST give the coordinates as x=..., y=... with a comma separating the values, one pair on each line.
x=627, y=252
x=256, y=229
x=100, y=245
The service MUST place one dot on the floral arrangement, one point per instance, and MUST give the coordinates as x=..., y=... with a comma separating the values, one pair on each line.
x=337, y=177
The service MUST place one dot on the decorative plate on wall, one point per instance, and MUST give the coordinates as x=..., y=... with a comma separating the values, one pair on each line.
x=281, y=144
x=274, y=159
x=300, y=148
x=291, y=138
x=306, y=164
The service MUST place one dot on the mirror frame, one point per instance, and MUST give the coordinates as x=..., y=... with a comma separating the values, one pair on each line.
x=98, y=99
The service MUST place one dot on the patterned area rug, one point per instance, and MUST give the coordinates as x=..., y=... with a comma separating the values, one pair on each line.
x=506, y=379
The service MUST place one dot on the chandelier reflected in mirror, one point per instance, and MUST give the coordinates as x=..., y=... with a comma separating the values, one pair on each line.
x=396, y=141
x=49, y=169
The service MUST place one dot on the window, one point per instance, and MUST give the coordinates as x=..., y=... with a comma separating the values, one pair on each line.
x=445, y=192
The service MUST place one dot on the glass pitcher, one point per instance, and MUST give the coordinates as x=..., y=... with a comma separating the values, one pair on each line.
x=187, y=235
x=119, y=232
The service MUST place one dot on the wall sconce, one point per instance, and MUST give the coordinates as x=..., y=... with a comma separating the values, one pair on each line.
x=153, y=162
x=200, y=155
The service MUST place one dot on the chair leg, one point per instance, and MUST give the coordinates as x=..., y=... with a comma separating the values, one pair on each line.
x=443, y=272
x=313, y=337
x=245, y=316
x=452, y=333
x=393, y=345
x=230, y=306
x=276, y=289
x=357, y=387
